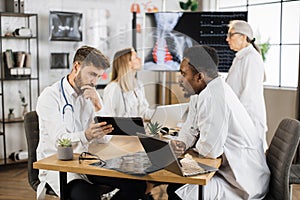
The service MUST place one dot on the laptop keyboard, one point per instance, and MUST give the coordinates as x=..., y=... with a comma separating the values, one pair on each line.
x=190, y=167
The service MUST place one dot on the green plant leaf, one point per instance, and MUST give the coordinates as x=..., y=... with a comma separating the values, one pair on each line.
x=185, y=5
x=264, y=48
x=64, y=142
x=154, y=127
x=194, y=6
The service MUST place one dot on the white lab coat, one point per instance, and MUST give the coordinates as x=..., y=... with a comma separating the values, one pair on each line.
x=54, y=125
x=246, y=77
x=225, y=130
x=126, y=104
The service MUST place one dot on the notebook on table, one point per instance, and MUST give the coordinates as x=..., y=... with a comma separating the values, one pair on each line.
x=161, y=155
x=169, y=115
x=123, y=125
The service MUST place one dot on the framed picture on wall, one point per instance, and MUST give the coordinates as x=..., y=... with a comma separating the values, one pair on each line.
x=65, y=26
x=59, y=60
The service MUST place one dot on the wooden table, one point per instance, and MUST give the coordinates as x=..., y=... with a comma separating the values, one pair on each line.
x=118, y=146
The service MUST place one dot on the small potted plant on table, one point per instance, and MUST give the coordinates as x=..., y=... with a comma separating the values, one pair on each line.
x=154, y=128
x=65, y=149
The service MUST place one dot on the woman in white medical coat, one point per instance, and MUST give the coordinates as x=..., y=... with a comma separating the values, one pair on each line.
x=246, y=75
x=124, y=96
x=219, y=126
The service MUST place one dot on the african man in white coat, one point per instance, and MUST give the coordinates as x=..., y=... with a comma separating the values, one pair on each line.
x=218, y=126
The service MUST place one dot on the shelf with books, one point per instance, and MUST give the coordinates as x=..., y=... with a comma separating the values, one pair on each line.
x=19, y=51
x=16, y=64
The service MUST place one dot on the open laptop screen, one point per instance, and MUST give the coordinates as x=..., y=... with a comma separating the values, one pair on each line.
x=169, y=115
x=160, y=153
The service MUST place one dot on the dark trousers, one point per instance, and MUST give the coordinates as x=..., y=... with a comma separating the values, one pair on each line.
x=172, y=187
x=129, y=189
x=80, y=190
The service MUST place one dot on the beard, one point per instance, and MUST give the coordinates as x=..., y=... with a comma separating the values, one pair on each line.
x=187, y=91
x=79, y=83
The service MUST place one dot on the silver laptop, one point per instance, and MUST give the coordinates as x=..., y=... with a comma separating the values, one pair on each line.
x=161, y=155
x=170, y=115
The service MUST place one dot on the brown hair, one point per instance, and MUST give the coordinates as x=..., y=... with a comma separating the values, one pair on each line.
x=87, y=55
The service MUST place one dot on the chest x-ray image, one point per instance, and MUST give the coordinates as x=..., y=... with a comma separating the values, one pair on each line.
x=65, y=26
x=163, y=45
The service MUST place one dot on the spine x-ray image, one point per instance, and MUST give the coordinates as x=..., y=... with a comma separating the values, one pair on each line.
x=166, y=47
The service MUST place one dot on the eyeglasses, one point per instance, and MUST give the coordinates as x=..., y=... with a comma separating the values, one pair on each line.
x=89, y=156
x=229, y=35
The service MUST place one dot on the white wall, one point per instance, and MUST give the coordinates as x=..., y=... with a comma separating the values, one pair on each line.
x=280, y=103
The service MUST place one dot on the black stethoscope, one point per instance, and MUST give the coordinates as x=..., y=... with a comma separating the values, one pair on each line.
x=64, y=95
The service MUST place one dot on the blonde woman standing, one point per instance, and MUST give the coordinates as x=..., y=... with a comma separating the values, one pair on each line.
x=247, y=74
x=124, y=96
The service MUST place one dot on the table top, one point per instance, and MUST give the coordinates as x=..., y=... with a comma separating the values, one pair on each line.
x=118, y=146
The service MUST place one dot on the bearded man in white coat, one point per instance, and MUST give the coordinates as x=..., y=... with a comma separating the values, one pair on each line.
x=218, y=126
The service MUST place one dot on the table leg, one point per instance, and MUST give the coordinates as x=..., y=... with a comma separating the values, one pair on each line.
x=201, y=192
x=63, y=185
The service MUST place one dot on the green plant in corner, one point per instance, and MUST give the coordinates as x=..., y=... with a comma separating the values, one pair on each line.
x=64, y=142
x=154, y=127
x=264, y=48
x=190, y=4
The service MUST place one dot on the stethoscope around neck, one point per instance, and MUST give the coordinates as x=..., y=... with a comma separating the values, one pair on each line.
x=64, y=95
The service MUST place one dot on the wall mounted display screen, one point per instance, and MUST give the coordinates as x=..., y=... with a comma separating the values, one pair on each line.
x=167, y=34
x=65, y=26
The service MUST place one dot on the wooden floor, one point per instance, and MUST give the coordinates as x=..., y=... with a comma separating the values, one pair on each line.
x=14, y=185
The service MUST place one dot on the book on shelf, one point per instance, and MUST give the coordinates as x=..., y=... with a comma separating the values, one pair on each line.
x=19, y=58
x=17, y=71
x=9, y=58
x=16, y=64
x=27, y=60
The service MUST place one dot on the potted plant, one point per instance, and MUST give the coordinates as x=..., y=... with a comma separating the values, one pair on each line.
x=154, y=128
x=65, y=149
x=264, y=48
x=190, y=4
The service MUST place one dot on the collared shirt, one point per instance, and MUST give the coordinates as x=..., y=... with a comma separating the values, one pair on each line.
x=53, y=124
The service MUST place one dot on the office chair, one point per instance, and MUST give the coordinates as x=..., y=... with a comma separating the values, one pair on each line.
x=31, y=125
x=280, y=156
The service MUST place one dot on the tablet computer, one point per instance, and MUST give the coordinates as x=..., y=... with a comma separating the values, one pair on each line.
x=123, y=125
